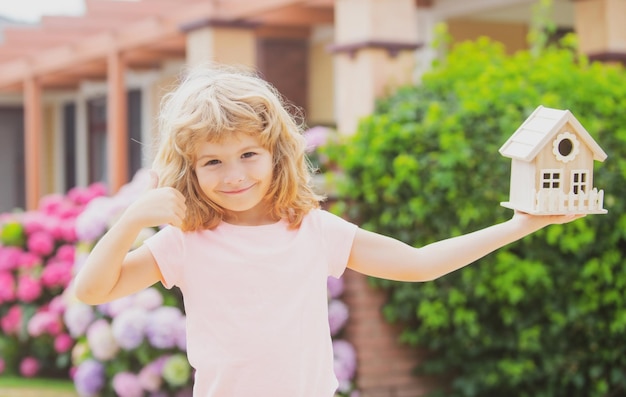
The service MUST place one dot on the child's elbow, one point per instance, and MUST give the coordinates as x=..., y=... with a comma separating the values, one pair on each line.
x=84, y=293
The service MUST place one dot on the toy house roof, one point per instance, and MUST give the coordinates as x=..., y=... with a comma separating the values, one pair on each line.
x=539, y=128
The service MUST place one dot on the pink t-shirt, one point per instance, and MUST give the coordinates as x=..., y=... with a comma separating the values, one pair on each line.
x=256, y=303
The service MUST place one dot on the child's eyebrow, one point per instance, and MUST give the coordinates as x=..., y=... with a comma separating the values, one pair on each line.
x=242, y=150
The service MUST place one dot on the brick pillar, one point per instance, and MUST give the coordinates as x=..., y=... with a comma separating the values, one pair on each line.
x=375, y=43
x=227, y=42
x=384, y=367
x=601, y=29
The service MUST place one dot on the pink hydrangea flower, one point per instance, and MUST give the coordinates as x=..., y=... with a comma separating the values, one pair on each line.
x=66, y=230
x=148, y=299
x=337, y=315
x=129, y=328
x=315, y=137
x=44, y=322
x=77, y=318
x=89, y=378
x=40, y=243
x=29, y=367
x=101, y=341
x=66, y=252
x=151, y=376
x=81, y=196
x=7, y=287
x=127, y=384
x=93, y=221
x=9, y=258
x=57, y=274
x=51, y=203
x=344, y=360
x=12, y=321
x=117, y=306
x=63, y=343
x=35, y=222
x=29, y=260
x=57, y=305
x=28, y=288
x=163, y=327
x=335, y=287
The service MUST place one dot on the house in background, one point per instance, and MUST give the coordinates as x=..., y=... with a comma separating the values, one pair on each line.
x=552, y=165
x=79, y=95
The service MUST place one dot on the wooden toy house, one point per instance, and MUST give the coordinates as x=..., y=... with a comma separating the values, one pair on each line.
x=552, y=165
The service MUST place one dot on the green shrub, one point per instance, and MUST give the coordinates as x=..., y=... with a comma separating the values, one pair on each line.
x=545, y=316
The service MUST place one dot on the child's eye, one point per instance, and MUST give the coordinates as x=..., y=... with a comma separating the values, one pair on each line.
x=212, y=162
x=247, y=155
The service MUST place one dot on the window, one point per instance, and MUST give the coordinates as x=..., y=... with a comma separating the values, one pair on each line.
x=551, y=179
x=580, y=181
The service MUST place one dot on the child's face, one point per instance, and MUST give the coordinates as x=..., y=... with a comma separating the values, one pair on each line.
x=236, y=175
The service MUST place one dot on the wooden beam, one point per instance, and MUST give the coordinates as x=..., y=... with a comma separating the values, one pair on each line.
x=72, y=77
x=135, y=8
x=85, y=23
x=241, y=9
x=321, y=3
x=297, y=16
x=151, y=58
x=32, y=141
x=37, y=37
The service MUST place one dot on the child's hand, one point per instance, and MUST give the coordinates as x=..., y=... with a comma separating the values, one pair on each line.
x=157, y=206
x=539, y=221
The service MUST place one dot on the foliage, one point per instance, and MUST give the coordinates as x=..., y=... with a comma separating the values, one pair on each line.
x=36, y=260
x=545, y=316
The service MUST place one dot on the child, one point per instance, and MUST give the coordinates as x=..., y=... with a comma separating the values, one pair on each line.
x=248, y=245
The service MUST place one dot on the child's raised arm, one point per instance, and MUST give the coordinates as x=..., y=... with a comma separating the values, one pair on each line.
x=385, y=257
x=111, y=271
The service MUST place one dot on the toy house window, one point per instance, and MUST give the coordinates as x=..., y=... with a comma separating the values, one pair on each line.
x=580, y=181
x=551, y=179
x=565, y=147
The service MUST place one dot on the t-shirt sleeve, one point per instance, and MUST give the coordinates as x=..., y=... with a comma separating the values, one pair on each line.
x=339, y=236
x=168, y=250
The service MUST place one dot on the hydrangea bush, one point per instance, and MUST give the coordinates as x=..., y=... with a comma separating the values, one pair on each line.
x=37, y=252
x=133, y=346
x=344, y=352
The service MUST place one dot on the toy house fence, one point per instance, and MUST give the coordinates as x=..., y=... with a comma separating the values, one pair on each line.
x=552, y=200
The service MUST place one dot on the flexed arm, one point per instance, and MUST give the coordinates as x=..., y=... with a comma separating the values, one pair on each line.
x=385, y=257
x=111, y=271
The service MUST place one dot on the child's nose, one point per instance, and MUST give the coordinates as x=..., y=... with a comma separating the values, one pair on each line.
x=234, y=175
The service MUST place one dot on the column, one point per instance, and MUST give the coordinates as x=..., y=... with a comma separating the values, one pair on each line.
x=226, y=42
x=601, y=29
x=375, y=43
x=32, y=141
x=117, y=123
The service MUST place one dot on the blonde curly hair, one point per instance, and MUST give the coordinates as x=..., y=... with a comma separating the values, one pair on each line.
x=213, y=102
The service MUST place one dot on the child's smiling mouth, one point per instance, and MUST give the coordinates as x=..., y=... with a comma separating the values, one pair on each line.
x=237, y=191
